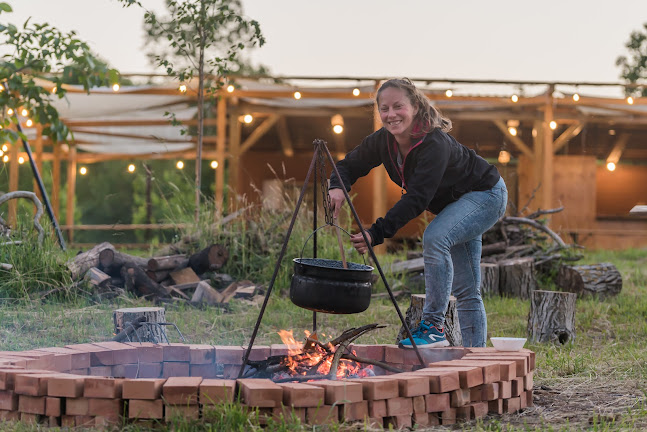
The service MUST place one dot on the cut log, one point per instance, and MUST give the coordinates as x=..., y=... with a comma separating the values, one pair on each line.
x=489, y=279
x=409, y=266
x=183, y=276
x=603, y=280
x=552, y=317
x=158, y=276
x=145, y=332
x=137, y=282
x=111, y=261
x=205, y=293
x=517, y=277
x=98, y=278
x=81, y=263
x=229, y=292
x=169, y=262
x=211, y=258
x=414, y=316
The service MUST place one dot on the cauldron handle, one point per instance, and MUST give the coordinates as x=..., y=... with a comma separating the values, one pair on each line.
x=323, y=226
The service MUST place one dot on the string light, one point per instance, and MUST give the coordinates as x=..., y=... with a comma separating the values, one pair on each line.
x=553, y=125
x=24, y=112
x=630, y=101
x=248, y=118
x=183, y=88
x=449, y=93
x=611, y=166
x=214, y=164
x=514, y=98
x=355, y=92
x=21, y=160
x=5, y=158
x=337, y=122
x=504, y=157
x=297, y=95
x=612, y=131
x=1, y=153
x=5, y=147
x=230, y=88
x=29, y=123
x=131, y=168
x=54, y=90
x=83, y=171
x=179, y=164
x=9, y=111
x=576, y=97
x=512, y=131
x=115, y=87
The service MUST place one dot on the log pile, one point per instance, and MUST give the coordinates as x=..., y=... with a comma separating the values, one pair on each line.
x=161, y=279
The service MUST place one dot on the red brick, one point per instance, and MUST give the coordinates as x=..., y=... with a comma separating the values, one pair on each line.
x=54, y=422
x=126, y=371
x=528, y=381
x=459, y=398
x=146, y=388
x=479, y=409
x=203, y=370
x=399, y=422
x=104, y=388
x=260, y=392
x=421, y=418
x=290, y=414
x=353, y=411
x=495, y=406
x=448, y=417
x=522, y=360
x=505, y=390
x=53, y=407
x=175, y=369
x=84, y=371
x=476, y=394
x=529, y=399
x=275, y=349
x=9, y=415
x=373, y=352
x=150, y=370
x=31, y=404
x=65, y=386
x=434, y=419
x=107, y=423
x=8, y=400
x=377, y=408
x=216, y=391
x=122, y=353
x=8, y=376
x=464, y=413
x=176, y=352
x=511, y=405
x=258, y=352
x=441, y=380
x=110, y=408
x=181, y=390
x=468, y=376
x=490, y=370
x=202, y=354
x=399, y=406
x=76, y=406
x=100, y=371
x=191, y=412
x=232, y=355
x=489, y=391
x=378, y=387
x=325, y=414
x=512, y=367
x=148, y=352
x=394, y=354
x=523, y=399
x=98, y=356
x=32, y=384
x=437, y=402
x=67, y=421
x=337, y=392
x=419, y=404
x=302, y=395
x=37, y=359
x=410, y=385
x=517, y=386
x=83, y=421
x=30, y=419
x=60, y=362
x=146, y=409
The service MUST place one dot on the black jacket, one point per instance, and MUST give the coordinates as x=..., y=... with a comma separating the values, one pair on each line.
x=436, y=172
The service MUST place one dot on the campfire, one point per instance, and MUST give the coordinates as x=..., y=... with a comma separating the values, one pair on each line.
x=316, y=360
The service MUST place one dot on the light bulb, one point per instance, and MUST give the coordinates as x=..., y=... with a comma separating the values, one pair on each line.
x=504, y=157
x=355, y=92
x=338, y=129
x=248, y=118
x=5, y=158
x=83, y=170
x=5, y=147
x=553, y=125
x=214, y=164
x=182, y=88
x=131, y=168
x=54, y=90
x=179, y=164
x=449, y=93
x=29, y=123
x=611, y=166
x=513, y=131
x=21, y=160
x=576, y=97
x=24, y=112
x=9, y=111
x=230, y=88
x=630, y=100
x=115, y=87
x=297, y=95
x=514, y=98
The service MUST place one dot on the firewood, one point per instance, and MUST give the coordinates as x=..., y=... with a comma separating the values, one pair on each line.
x=111, y=261
x=158, y=276
x=81, y=263
x=517, y=277
x=205, y=293
x=98, y=278
x=414, y=316
x=409, y=266
x=229, y=292
x=552, y=317
x=602, y=279
x=170, y=262
x=211, y=258
x=137, y=282
x=185, y=275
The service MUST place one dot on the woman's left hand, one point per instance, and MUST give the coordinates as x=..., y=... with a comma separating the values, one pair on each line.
x=358, y=242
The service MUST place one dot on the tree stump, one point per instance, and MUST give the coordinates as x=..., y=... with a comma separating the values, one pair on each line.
x=145, y=333
x=602, y=279
x=489, y=279
x=517, y=277
x=552, y=317
x=414, y=316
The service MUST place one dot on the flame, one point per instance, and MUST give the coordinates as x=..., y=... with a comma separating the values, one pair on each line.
x=287, y=338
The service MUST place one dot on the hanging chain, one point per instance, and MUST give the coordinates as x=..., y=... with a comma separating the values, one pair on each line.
x=325, y=198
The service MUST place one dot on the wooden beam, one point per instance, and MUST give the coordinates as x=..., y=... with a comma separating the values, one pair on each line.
x=284, y=137
x=142, y=122
x=71, y=190
x=618, y=148
x=14, y=168
x=546, y=175
x=514, y=139
x=571, y=132
x=221, y=117
x=56, y=181
x=258, y=133
x=233, y=161
x=38, y=156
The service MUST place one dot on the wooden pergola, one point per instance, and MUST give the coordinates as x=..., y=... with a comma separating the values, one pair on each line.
x=551, y=118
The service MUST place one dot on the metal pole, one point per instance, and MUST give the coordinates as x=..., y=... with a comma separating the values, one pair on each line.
x=314, y=227
x=372, y=253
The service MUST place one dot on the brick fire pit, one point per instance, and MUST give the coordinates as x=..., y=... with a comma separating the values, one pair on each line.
x=94, y=384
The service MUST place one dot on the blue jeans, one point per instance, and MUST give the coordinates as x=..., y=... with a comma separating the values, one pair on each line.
x=452, y=256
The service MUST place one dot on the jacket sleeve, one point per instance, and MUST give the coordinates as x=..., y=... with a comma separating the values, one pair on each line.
x=359, y=162
x=430, y=165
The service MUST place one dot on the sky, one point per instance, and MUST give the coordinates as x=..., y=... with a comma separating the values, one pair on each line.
x=548, y=40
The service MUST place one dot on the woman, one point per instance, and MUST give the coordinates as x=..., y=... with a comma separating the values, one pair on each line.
x=438, y=174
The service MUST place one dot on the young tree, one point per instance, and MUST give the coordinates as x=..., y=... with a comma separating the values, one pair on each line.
x=194, y=30
x=634, y=67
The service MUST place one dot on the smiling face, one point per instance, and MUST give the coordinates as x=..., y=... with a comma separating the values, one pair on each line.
x=397, y=113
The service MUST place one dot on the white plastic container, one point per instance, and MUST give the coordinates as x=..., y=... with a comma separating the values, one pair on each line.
x=508, y=343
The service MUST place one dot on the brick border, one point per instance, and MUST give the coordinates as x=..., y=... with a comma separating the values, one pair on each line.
x=93, y=384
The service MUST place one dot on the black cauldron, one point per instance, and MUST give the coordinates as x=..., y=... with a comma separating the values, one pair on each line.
x=324, y=285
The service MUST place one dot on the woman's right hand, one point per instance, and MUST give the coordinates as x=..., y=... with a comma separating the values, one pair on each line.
x=337, y=199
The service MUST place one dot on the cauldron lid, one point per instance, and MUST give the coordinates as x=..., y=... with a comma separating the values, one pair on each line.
x=336, y=264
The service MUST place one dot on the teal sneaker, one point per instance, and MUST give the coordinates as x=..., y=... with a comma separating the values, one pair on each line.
x=426, y=336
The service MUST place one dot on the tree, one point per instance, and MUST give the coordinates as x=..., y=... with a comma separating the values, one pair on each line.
x=194, y=29
x=634, y=67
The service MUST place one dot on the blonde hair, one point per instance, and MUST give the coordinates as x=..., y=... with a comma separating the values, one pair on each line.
x=428, y=118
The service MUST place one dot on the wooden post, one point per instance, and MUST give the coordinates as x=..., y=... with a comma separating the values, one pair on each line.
x=379, y=180
x=234, y=152
x=38, y=156
x=552, y=317
x=546, y=174
x=71, y=190
x=144, y=333
x=14, y=167
x=56, y=180
x=220, y=152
